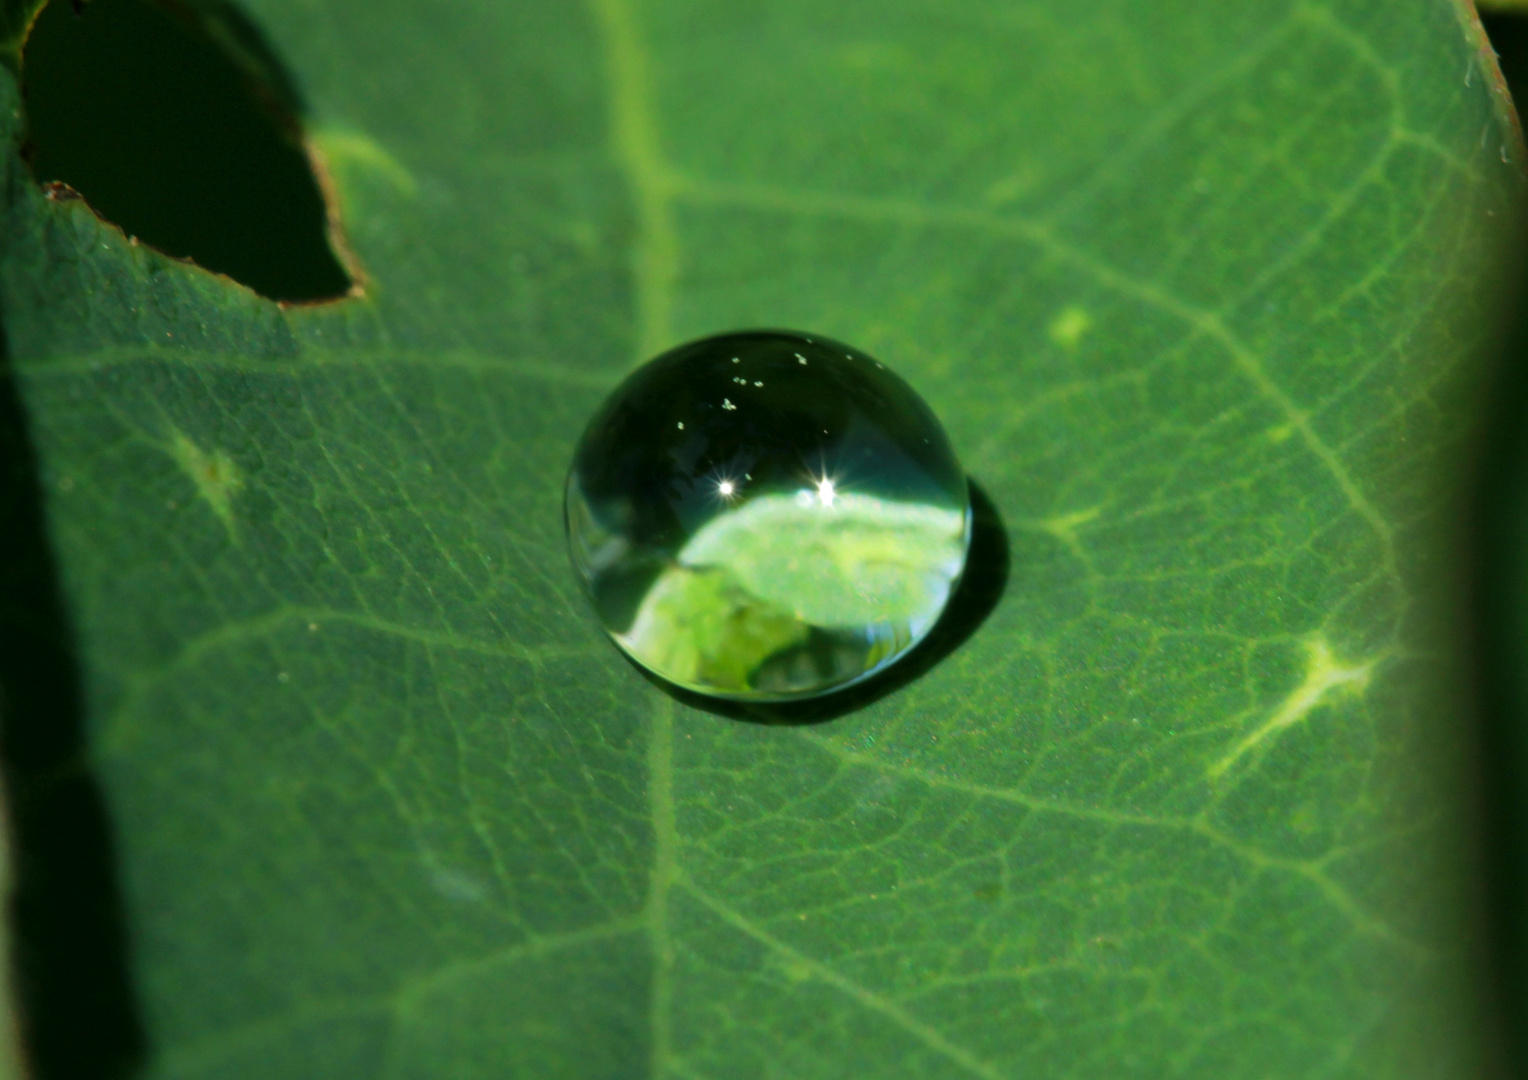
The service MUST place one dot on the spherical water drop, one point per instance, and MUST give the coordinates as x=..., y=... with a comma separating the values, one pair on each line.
x=734, y=548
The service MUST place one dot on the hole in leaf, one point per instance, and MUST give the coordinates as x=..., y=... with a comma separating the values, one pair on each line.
x=176, y=123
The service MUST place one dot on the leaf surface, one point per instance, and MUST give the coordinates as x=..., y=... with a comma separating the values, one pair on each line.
x=1199, y=291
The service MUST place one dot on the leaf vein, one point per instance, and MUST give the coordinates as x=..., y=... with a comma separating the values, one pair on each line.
x=239, y=632
x=1313, y=871
x=311, y=359
x=869, y=999
x=1200, y=322
x=201, y=1054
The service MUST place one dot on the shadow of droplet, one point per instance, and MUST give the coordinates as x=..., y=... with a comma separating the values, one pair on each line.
x=977, y=595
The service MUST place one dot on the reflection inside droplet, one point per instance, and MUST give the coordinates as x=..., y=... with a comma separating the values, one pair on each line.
x=833, y=559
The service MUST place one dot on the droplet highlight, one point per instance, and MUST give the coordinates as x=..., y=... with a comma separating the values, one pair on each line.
x=733, y=547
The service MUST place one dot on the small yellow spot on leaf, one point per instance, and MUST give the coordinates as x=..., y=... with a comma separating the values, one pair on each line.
x=1324, y=676
x=216, y=477
x=1064, y=526
x=1068, y=327
x=797, y=971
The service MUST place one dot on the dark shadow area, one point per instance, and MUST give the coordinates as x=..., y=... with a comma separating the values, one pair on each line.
x=977, y=595
x=175, y=122
x=1499, y=586
x=79, y=1017
x=1499, y=602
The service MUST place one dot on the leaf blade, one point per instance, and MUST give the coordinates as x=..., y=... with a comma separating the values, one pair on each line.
x=1086, y=844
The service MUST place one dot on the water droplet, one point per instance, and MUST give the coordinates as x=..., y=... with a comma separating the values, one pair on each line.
x=753, y=558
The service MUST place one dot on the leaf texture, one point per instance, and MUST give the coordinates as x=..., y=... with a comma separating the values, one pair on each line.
x=1200, y=292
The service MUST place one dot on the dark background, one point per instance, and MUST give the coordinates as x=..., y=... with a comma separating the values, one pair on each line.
x=1500, y=610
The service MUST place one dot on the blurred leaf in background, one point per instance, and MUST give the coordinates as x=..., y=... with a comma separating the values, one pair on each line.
x=1205, y=295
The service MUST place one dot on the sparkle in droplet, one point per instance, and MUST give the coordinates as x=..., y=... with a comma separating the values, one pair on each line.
x=832, y=561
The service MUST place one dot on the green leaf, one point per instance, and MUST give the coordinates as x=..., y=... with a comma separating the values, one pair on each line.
x=1200, y=291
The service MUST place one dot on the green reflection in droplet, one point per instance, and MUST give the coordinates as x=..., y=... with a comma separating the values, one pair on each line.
x=766, y=516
